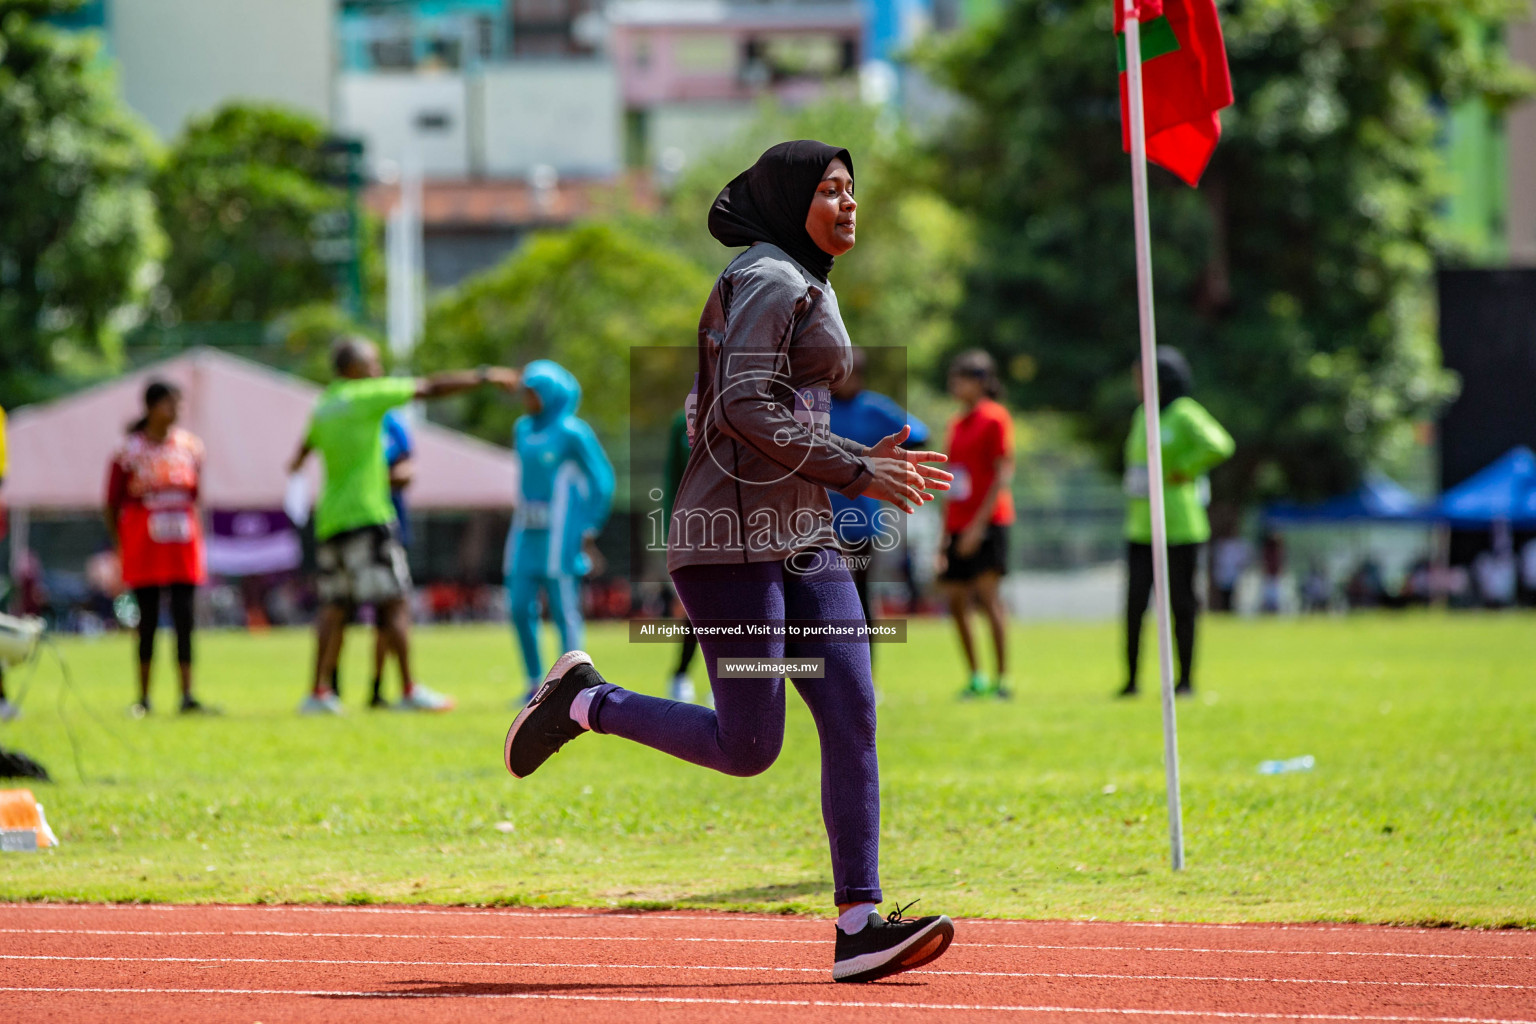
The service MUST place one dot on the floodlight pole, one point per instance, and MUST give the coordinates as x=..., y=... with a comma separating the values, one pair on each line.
x=1154, y=429
x=404, y=245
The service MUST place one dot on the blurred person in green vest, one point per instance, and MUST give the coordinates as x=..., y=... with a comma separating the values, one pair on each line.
x=1193, y=444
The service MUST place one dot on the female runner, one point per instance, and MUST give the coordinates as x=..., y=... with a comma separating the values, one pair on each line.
x=153, y=519
x=751, y=541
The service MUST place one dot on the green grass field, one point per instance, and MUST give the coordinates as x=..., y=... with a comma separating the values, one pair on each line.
x=1422, y=806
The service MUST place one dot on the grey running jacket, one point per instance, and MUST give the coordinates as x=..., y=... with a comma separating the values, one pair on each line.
x=772, y=348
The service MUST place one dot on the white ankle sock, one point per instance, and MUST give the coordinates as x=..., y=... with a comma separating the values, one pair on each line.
x=581, y=707
x=853, y=920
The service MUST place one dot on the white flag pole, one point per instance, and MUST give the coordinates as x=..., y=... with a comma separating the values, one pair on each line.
x=1154, y=429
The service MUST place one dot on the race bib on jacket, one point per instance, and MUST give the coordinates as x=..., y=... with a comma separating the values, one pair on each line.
x=813, y=407
x=960, y=486
x=532, y=515
x=691, y=410
x=170, y=527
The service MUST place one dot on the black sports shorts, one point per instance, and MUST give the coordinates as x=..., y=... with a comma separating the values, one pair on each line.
x=991, y=556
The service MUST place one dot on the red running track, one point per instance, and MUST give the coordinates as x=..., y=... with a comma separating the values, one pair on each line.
x=380, y=964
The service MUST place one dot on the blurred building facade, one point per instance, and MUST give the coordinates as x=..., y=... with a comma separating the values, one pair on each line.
x=178, y=59
x=516, y=113
x=500, y=89
x=1487, y=305
x=691, y=71
x=1491, y=160
x=1521, y=127
x=478, y=89
x=525, y=113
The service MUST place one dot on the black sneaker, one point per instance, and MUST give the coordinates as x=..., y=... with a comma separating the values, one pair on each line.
x=1129, y=690
x=378, y=703
x=545, y=725
x=1184, y=689
x=890, y=945
x=193, y=706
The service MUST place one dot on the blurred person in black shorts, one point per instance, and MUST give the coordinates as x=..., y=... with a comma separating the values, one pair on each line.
x=399, y=456
x=978, y=511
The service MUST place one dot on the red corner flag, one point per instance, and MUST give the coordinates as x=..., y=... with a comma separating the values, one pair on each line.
x=1184, y=83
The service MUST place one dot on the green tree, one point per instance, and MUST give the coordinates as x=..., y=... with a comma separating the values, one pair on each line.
x=243, y=198
x=583, y=296
x=76, y=222
x=1296, y=277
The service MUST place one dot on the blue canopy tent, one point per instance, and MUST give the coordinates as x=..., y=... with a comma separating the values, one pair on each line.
x=1379, y=522
x=1503, y=491
x=1498, y=498
x=1377, y=500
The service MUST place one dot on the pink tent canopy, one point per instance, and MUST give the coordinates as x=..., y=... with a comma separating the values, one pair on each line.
x=250, y=418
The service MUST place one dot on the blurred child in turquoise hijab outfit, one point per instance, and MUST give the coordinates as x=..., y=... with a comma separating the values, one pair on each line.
x=566, y=492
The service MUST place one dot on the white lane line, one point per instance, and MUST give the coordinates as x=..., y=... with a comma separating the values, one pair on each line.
x=1257, y=952
x=420, y=963
x=1361, y=928
x=774, y=942
x=1260, y=981
x=735, y=918
x=417, y=935
x=832, y=1003
x=487, y=912
x=724, y=967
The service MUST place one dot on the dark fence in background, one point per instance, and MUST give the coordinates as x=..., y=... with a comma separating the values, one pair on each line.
x=1488, y=336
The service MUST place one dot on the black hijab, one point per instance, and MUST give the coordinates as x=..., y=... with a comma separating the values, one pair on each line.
x=769, y=200
x=1174, y=379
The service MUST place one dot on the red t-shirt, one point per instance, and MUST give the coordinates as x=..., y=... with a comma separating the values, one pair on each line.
x=978, y=440
x=152, y=489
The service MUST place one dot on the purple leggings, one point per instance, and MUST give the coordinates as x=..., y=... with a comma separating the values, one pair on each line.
x=742, y=736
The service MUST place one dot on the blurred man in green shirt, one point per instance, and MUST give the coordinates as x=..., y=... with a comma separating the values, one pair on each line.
x=1193, y=444
x=360, y=557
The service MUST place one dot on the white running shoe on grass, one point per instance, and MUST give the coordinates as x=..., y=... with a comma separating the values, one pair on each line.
x=322, y=704
x=8, y=712
x=422, y=698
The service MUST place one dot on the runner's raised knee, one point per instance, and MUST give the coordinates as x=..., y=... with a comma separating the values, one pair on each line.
x=752, y=757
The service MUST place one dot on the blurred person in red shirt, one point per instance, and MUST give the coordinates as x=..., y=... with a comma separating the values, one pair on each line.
x=154, y=521
x=978, y=510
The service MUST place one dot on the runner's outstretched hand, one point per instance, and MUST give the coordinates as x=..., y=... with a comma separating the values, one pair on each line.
x=903, y=478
